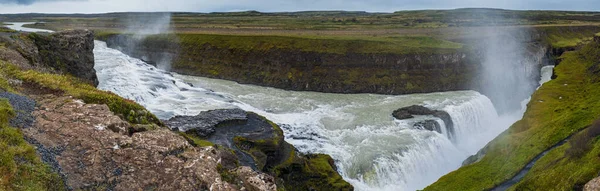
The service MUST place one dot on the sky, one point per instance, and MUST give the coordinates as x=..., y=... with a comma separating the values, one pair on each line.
x=103, y=6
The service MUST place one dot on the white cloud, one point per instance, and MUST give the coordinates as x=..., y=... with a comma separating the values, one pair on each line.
x=101, y=6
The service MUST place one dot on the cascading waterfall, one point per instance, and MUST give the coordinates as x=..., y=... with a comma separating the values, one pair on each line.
x=372, y=150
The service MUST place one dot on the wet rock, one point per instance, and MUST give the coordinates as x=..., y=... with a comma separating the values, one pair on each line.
x=23, y=106
x=204, y=123
x=430, y=125
x=259, y=145
x=410, y=111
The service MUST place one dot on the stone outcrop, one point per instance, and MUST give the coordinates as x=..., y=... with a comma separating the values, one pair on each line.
x=410, y=111
x=66, y=52
x=204, y=124
x=85, y=144
x=259, y=144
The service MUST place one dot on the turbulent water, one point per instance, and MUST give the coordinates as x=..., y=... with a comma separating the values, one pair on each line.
x=372, y=150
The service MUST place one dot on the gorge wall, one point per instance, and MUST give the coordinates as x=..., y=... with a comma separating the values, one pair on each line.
x=349, y=72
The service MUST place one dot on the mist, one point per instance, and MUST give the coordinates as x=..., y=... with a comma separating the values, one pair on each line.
x=141, y=26
x=510, y=65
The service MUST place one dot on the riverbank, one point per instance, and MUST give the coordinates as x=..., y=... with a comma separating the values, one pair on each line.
x=559, y=108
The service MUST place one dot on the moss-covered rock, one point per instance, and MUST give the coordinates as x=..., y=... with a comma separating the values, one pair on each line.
x=259, y=143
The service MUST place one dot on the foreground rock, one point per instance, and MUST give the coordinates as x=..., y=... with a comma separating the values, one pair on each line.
x=593, y=185
x=259, y=144
x=410, y=111
x=93, y=153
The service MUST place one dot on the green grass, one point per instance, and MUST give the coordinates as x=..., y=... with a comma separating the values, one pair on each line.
x=564, y=37
x=559, y=108
x=195, y=141
x=20, y=167
x=310, y=43
x=131, y=111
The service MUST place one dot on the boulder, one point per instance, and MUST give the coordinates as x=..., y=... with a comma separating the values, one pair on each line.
x=410, y=111
x=204, y=123
x=430, y=125
x=258, y=144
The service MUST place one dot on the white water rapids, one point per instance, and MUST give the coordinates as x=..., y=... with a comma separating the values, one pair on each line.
x=372, y=150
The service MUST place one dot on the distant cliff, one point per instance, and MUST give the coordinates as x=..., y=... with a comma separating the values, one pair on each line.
x=68, y=52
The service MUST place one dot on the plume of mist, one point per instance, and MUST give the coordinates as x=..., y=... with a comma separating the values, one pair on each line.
x=510, y=64
x=140, y=26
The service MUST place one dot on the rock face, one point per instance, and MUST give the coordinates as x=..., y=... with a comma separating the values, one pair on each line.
x=310, y=71
x=66, y=52
x=69, y=52
x=89, y=149
x=410, y=111
x=259, y=144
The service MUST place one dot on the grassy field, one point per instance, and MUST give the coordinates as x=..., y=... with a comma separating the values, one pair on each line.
x=558, y=109
x=400, y=32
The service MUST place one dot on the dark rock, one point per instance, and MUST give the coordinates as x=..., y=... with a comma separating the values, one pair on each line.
x=23, y=106
x=68, y=52
x=410, y=111
x=204, y=123
x=258, y=143
x=430, y=125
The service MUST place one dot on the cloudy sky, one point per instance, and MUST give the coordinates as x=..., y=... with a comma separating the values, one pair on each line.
x=101, y=6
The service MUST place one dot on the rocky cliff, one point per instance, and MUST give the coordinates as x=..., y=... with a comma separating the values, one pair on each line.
x=68, y=52
x=384, y=73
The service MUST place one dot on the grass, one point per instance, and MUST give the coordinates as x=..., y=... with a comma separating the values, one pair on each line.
x=559, y=108
x=195, y=141
x=129, y=110
x=564, y=37
x=309, y=43
x=20, y=167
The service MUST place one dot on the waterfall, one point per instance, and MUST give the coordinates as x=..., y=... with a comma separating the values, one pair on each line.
x=372, y=150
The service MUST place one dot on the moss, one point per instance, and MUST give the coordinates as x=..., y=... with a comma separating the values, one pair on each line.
x=226, y=175
x=20, y=167
x=131, y=111
x=195, y=141
x=297, y=171
x=559, y=108
x=311, y=172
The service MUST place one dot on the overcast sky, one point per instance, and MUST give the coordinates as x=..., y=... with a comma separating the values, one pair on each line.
x=102, y=6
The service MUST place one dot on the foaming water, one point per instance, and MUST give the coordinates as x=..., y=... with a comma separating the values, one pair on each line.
x=372, y=150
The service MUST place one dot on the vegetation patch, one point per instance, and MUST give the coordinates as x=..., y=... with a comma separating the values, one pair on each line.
x=559, y=108
x=129, y=110
x=20, y=167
